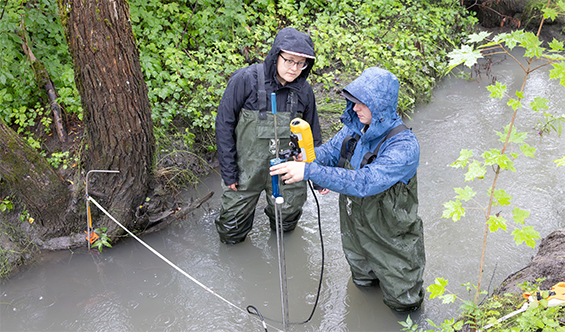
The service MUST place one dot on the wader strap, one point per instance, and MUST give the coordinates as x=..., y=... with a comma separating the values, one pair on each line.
x=347, y=149
x=369, y=157
x=261, y=93
x=291, y=104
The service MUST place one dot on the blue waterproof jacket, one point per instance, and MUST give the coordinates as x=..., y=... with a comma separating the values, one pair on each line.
x=398, y=157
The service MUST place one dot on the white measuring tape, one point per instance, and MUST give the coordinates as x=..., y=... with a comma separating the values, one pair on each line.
x=171, y=263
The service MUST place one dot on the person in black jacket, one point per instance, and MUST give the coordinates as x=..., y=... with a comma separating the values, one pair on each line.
x=245, y=133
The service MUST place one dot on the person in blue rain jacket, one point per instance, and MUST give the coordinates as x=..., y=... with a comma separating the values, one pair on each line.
x=372, y=162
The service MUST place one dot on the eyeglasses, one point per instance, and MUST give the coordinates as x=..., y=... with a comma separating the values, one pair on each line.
x=290, y=63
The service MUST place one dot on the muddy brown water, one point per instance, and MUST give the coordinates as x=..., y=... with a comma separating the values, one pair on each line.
x=128, y=288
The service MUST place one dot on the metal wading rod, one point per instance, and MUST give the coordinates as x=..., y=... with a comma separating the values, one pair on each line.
x=282, y=266
x=173, y=265
x=89, y=221
x=279, y=200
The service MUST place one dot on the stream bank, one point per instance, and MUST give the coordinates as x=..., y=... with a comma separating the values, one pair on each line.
x=548, y=264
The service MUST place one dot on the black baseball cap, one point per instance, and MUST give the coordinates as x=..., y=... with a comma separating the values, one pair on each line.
x=350, y=97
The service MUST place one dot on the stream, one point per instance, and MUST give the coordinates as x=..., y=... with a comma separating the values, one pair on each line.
x=128, y=288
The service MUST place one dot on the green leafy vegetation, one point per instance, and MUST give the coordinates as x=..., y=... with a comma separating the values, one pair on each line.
x=187, y=66
x=35, y=23
x=103, y=239
x=62, y=159
x=6, y=204
x=189, y=50
x=538, y=317
x=499, y=313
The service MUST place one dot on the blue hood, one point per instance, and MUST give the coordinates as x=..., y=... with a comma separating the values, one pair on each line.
x=398, y=157
x=377, y=89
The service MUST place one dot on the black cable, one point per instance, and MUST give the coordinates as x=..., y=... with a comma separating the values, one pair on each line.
x=322, y=246
x=321, y=270
x=258, y=314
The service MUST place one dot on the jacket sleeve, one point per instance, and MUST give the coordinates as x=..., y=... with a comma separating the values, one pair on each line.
x=233, y=99
x=398, y=161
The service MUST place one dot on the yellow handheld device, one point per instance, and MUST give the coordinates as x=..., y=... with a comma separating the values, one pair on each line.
x=301, y=129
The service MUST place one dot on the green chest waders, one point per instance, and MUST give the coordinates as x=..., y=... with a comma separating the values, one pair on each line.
x=255, y=144
x=383, y=239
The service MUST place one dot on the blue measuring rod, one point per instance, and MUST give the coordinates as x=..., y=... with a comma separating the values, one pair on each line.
x=275, y=161
x=275, y=178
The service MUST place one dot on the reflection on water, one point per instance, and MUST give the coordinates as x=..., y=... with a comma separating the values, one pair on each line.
x=127, y=288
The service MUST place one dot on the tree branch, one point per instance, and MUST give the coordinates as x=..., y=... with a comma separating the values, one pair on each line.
x=44, y=81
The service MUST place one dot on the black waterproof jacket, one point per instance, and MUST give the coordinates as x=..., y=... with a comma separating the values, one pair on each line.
x=241, y=92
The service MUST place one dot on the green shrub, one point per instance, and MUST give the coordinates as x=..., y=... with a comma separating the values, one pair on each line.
x=188, y=50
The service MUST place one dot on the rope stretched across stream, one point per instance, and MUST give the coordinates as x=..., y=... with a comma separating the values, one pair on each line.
x=173, y=265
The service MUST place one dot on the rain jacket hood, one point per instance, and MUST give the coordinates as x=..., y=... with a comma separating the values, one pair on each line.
x=378, y=90
x=398, y=157
x=242, y=93
x=293, y=40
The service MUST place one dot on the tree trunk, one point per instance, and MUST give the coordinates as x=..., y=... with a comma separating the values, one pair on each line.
x=43, y=191
x=117, y=113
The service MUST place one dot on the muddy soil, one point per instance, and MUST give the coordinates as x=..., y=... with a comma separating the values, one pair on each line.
x=548, y=264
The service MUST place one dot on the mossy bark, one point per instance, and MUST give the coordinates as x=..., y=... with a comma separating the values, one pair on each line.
x=45, y=194
x=17, y=247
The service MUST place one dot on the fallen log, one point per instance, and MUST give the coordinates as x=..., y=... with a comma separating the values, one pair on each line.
x=161, y=220
x=157, y=222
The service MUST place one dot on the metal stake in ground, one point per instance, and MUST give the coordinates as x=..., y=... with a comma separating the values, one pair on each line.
x=90, y=234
